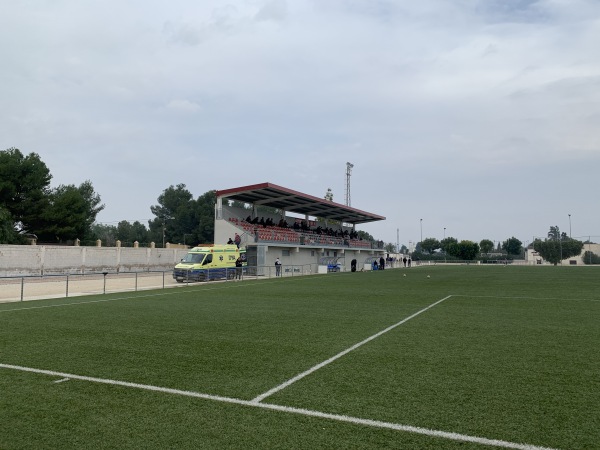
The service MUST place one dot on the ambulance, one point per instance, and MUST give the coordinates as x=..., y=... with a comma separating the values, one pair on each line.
x=209, y=262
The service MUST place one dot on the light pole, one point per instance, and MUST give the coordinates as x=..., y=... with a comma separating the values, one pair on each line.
x=421, y=231
x=444, y=244
x=570, y=226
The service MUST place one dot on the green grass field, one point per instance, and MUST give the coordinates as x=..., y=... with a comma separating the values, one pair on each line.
x=471, y=358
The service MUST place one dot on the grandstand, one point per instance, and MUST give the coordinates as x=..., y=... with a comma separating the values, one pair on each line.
x=301, y=228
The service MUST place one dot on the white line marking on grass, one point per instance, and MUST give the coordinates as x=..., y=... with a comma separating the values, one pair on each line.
x=62, y=380
x=291, y=410
x=298, y=377
x=526, y=298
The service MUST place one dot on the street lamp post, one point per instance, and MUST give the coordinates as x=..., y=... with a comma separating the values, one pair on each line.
x=570, y=226
x=421, y=231
x=445, y=256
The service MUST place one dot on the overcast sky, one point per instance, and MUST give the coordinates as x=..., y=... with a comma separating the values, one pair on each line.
x=478, y=116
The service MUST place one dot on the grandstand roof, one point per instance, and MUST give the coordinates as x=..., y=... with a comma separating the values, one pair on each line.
x=269, y=194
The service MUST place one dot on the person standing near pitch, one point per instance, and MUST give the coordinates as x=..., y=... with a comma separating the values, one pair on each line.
x=277, y=267
x=238, y=268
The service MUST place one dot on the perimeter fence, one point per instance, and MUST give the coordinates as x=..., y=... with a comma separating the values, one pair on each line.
x=21, y=288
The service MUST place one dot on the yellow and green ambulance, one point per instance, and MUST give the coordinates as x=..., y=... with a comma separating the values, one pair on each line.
x=210, y=262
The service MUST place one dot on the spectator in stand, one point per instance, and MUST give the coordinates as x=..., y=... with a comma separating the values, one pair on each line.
x=249, y=219
x=262, y=222
x=237, y=239
x=229, y=242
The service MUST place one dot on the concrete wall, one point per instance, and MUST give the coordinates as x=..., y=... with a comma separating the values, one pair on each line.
x=17, y=260
x=300, y=255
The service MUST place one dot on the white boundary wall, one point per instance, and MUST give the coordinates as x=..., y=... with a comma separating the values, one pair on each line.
x=23, y=260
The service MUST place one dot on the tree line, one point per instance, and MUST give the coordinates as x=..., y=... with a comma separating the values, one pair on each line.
x=29, y=208
x=179, y=218
x=554, y=249
x=466, y=249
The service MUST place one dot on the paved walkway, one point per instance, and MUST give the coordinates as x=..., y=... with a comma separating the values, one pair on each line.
x=34, y=288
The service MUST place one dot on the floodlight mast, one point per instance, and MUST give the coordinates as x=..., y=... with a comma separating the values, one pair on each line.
x=349, y=167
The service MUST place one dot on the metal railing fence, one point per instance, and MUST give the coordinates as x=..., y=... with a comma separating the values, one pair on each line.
x=21, y=288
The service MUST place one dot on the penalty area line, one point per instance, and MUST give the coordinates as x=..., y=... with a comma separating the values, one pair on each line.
x=298, y=377
x=288, y=409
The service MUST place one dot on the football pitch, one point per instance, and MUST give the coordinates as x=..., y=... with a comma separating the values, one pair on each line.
x=470, y=358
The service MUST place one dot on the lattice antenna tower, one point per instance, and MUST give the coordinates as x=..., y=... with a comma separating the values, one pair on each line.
x=349, y=167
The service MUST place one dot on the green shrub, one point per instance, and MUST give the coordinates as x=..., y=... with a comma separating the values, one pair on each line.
x=591, y=258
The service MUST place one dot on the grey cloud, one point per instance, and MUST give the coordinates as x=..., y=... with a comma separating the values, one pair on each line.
x=225, y=15
x=496, y=11
x=273, y=10
x=183, y=105
x=183, y=33
x=416, y=94
x=202, y=25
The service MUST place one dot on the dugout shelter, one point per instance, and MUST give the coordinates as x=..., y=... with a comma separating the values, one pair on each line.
x=277, y=222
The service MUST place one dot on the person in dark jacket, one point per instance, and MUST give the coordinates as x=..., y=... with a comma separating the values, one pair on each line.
x=238, y=268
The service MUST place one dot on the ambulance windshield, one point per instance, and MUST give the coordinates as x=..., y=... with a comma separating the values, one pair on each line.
x=193, y=258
